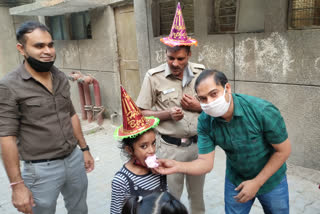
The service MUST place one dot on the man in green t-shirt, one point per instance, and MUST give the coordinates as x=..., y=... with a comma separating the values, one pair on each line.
x=253, y=135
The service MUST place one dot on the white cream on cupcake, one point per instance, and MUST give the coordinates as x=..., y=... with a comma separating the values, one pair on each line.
x=151, y=161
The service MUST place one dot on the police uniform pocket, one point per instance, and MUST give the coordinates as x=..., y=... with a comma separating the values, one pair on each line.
x=169, y=97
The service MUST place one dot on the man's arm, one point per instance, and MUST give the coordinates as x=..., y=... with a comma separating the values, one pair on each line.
x=77, y=131
x=202, y=165
x=21, y=196
x=162, y=115
x=174, y=113
x=147, y=99
x=250, y=188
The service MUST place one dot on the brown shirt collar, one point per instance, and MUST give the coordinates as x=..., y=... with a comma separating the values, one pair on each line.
x=24, y=73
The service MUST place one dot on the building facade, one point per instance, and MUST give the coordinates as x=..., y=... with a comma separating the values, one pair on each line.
x=269, y=49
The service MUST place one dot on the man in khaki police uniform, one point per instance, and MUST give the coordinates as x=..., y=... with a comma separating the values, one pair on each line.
x=168, y=93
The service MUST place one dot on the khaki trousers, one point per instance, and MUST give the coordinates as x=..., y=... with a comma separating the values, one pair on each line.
x=175, y=182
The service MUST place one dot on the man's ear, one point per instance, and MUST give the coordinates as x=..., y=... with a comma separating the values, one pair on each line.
x=228, y=87
x=20, y=49
x=189, y=54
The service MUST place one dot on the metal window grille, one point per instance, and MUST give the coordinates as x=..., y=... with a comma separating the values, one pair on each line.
x=304, y=14
x=167, y=9
x=224, y=15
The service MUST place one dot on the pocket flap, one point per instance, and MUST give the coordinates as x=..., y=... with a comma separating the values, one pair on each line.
x=33, y=103
x=168, y=96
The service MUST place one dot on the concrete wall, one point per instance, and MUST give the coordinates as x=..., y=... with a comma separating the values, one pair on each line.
x=9, y=55
x=96, y=56
x=279, y=65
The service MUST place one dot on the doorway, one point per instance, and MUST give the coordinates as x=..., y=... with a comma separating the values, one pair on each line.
x=127, y=50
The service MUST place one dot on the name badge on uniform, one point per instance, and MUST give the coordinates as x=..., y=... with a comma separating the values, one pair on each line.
x=169, y=91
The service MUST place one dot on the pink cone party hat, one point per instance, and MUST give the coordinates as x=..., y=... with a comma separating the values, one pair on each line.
x=178, y=35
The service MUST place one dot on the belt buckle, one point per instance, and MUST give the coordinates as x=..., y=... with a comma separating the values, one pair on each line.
x=185, y=142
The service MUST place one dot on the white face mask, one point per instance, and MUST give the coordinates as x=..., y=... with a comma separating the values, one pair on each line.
x=218, y=107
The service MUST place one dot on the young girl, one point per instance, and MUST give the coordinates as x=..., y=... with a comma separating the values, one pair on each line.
x=138, y=142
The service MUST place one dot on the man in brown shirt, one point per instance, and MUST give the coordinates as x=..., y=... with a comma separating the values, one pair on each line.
x=168, y=93
x=39, y=124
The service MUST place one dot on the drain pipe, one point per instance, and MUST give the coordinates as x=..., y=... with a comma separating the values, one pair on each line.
x=86, y=80
x=74, y=76
x=82, y=101
x=88, y=110
x=98, y=109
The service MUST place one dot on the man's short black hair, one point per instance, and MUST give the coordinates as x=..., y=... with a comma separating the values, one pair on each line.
x=178, y=48
x=28, y=27
x=218, y=76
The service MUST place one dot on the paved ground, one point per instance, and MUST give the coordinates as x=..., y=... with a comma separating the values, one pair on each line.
x=303, y=183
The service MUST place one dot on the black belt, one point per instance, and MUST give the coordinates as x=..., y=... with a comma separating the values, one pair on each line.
x=46, y=160
x=177, y=141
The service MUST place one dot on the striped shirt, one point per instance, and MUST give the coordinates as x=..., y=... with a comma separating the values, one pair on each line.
x=246, y=139
x=121, y=189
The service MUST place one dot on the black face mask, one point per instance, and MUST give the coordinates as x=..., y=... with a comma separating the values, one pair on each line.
x=39, y=66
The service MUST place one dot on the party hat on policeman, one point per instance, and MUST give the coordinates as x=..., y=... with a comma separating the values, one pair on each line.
x=178, y=35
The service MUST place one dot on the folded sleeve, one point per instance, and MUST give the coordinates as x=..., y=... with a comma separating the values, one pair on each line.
x=274, y=127
x=9, y=113
x=72, y=110
x=205, y=140
x=147, y=96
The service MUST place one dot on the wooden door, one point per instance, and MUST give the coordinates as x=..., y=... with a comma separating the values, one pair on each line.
x=127, y=48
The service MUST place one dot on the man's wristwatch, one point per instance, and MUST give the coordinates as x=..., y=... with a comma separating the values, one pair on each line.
x=85, y=148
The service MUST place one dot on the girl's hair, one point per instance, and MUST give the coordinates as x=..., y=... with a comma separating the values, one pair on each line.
x=128, y=142
x=154, y=203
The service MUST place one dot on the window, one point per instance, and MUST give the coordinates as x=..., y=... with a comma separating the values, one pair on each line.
x=58, y=28
x=163, y=12
x=14, y=3
x=73, y=26
x=80, y=25
x=222, y=16
x=304, y=14
x=233, y=16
